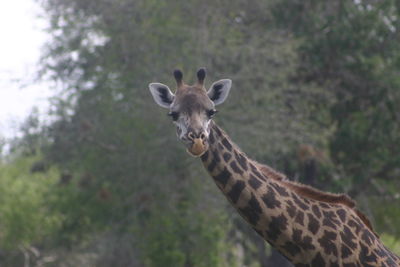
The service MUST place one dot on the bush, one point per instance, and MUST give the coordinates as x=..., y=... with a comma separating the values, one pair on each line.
x=25, y=219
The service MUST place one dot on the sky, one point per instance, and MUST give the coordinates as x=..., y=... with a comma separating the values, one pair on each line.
x=22, y=39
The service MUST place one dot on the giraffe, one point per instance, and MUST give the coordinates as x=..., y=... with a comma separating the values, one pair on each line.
x=307, y=226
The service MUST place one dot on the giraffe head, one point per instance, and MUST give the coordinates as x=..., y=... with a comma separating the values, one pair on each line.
x=192, y=108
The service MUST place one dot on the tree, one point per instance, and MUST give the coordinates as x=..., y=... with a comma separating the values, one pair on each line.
x=307, y=74
x=351, y=48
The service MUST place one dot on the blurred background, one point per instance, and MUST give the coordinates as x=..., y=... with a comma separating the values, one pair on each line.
x=91, y=172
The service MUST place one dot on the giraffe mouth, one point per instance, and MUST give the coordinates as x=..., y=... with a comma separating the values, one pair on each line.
x=197, y=147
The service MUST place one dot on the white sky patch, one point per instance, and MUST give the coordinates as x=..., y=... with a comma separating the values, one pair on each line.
x=22, y=38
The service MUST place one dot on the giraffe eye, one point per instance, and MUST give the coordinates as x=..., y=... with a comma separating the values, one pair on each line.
x=211, y=113
x=174, y=115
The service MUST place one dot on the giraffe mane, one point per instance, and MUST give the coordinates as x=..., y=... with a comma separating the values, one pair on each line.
x=313, y=193
x=332, y=198
x=271, y=173
x=307, y=191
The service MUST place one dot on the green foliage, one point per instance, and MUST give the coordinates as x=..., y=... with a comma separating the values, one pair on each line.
x=84, y=210
x=391, y=242
x=178, y=240
x=25, y=218
x=352, y=49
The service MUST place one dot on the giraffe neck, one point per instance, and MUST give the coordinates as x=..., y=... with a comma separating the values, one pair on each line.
x=306, y=231
x=247, y=187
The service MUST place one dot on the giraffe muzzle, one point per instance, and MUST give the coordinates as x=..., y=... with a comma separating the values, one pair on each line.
x=197, y=148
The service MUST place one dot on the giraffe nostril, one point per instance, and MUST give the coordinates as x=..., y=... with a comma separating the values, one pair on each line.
x=191, y=136
x=202, y=136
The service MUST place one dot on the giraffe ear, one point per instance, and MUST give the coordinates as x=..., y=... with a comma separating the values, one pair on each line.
x=161, y=94
x=219, y=91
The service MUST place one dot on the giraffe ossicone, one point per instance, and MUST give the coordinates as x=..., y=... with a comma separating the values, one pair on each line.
x=309, y=227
